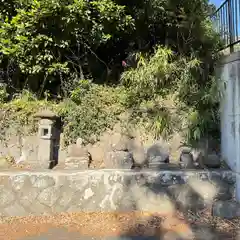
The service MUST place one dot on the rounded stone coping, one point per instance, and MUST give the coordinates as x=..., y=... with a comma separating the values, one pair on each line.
x=46, y=114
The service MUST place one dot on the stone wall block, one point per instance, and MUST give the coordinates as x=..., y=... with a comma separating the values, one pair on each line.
x=49, y=196
x=7, y=197
x=43, y=182
x=118, y=160
x=47, y=192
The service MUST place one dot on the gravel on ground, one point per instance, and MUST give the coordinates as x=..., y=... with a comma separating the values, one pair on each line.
x=102, y=224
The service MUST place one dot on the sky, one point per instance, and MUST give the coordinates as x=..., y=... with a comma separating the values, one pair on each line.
x=217, y=2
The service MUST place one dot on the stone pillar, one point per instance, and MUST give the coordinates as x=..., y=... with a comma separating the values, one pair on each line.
x=48, y=136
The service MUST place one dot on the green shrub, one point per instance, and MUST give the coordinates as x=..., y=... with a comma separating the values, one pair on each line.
x=163, y=95
x=195, y=110
x=90, y=110
x=17, y=114
x=3, y=93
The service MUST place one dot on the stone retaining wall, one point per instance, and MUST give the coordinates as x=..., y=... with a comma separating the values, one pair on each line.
x=36, y=193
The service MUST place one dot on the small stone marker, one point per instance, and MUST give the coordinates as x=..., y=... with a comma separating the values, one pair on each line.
x=157, y=155
x=186, y=160
x=212, y=161
x=78, y=157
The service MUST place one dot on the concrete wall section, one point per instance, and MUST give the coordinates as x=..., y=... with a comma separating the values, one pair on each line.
x=230, y=76
x=230, y=114
x=36, y=193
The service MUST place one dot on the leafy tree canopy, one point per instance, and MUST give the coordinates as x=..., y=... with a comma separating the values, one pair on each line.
x=49, y=43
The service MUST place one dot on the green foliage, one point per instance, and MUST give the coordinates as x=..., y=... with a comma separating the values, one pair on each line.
x=151, y=73
x=54, y=47
x=91, y=110
x=17, y=115
x=194, y=107
x=47, y=39
x=3, y=93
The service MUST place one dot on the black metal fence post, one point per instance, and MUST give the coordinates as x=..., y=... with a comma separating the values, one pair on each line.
x=231, y=30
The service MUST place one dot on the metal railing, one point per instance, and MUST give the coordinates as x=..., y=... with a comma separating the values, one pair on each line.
x=226, y=23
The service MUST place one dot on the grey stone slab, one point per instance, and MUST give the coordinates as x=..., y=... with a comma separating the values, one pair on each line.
x=16, y=209
x=6, y=197
x=37, y=209
x=49, y=196
x=19, y=181
x=43, y=182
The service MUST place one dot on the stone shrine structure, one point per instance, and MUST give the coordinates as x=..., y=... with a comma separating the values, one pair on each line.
x=48, y=135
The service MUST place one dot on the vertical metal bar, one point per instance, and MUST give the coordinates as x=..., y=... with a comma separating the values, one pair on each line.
x=218, y=22
x=232, y=14
x=233, y=20
x=225, y=24
x=236, y=20
x=230, y=17
x=238, y=13
x=221, y=22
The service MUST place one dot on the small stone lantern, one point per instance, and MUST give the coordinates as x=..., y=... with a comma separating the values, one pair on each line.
x=48, y=134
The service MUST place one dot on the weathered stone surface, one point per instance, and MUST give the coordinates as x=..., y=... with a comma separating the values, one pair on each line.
x=186, y=160
x=76, y=151
x=25, y=149
x=28, y=195
x=120, y=159
x=6, y=197
x=212, y=161
x=65, y=200
x=49, y=196
x=18, y=182
x=78, y=158
x=97, y=152
x=80, y=163
x=43, y=181
x=122, y=144
x=139, y=156
x=186, y=197
x=156, y=202
x=229, y=178
x=39, y=209
x=226, y=209
x=106, y=190
x=223, y=189
x=15, y=209
x=157, y=154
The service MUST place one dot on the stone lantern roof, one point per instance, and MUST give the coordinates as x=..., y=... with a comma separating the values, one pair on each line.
x=46, y=114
